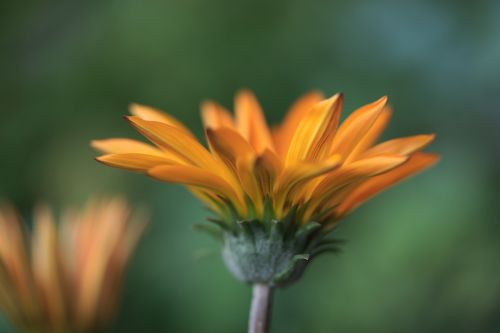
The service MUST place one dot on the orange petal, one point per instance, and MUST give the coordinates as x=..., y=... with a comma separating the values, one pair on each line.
x=133, y=162
x=299, y=174
x=228, y=145
x=246, y=172
x=175, y=141
x=355, y=127
x=122, y=146
x=354, y=171
x=267, y=168
x=152, y=114
x=14, y=259
x=8, y=297
x=402, y=146
x=314, y=135
x=372, y=135
x=198, y=177
x=47, y=267
x=282, y=135
x=251, y=122
x=371, y=187
x=215, y=116
x=257, y=176
x=334, y=184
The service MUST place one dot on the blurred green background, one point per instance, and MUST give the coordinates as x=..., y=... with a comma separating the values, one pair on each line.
x=422, y=257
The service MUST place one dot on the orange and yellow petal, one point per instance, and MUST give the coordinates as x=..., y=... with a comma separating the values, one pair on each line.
x=251, y=122
x=198, y=177
x=122, y=146
x=283, y=134
x=371, y=187
x=314, y=135
x=355, y=127
x=134, y=161
x=214, y=116
x=175, y=142
x=152, y=114
x=402, y=146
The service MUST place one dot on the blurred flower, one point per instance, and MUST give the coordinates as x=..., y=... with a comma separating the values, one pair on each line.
x=65, y=278
x=307, y=172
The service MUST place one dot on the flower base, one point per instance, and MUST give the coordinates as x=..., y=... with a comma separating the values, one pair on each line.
x=273, y=253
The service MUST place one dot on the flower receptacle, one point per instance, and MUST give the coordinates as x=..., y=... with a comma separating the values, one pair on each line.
x=274, y=253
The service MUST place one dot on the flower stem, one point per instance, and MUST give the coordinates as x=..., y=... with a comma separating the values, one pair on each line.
x=260, y=310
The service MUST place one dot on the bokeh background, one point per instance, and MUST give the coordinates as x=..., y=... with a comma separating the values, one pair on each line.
x=422, y=257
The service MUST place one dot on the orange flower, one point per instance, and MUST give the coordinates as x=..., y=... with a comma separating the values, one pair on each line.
x=309, y=164
x=66, y=278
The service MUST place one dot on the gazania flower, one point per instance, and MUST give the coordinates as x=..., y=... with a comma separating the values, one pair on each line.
x=65, y=278
x=276, y=192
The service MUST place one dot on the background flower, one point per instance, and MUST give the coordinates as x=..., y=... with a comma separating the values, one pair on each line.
x=65, y=278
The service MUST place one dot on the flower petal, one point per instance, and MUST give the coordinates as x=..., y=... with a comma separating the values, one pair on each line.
x=228, y=145
x=257, y=175
x=121, y=146
x=151, y=114
x=47, y=267
x=175, y=141
x=372, y=135
x=14, y=260
x=371, y=187
x=354, y=128
x=292, y=178
x=282, y=135
x=251, y=122
x=215, y=116
x=402, y=146
x=357, y=170
x=198, y=177
x=314, y=135
x=134, y=162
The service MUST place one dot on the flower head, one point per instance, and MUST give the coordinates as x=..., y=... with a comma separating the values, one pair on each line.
x=307, y=169
x=307, y=162
x=65, y=278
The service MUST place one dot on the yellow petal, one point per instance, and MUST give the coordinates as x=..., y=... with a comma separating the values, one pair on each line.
x=356, y=126
x=314, y=135
x=282, y=135
x=134, y=162
x=402, y=146
x=122, y=146
x=198, y=177
x=215, y=116
x=175, y=141
x=251, y=122
x=371, y=187
x=152, y=114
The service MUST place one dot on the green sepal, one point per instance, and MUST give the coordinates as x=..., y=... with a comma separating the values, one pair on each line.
x=293, y=271
x=270, y=251
x=212, y=230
